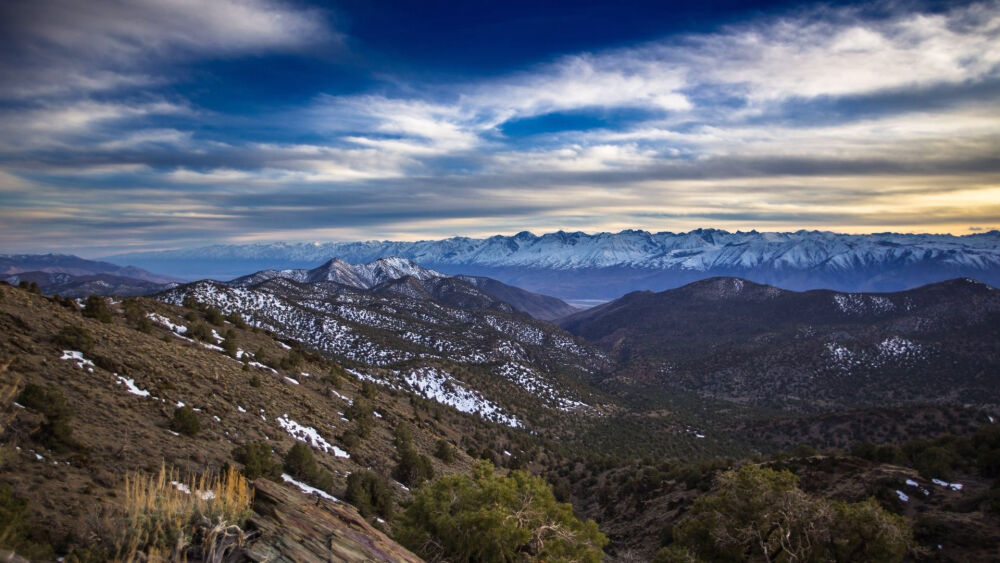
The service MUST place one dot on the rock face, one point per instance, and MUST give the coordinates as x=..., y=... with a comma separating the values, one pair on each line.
x=296, y=528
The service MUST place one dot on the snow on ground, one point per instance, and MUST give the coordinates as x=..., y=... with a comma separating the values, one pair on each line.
x=205, y=495
x=860, y=304
x=164, y=321
x=307, y=489
x=310, y=436
x=81, y=362
x=527, y=379
x=947, y=485
x=290, y=380
x=131, y=386
x=902, y=496
x=439, y=386
x=262, y=366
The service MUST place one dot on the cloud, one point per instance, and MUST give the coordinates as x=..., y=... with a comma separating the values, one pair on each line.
x=822, y=117
x=60, y=46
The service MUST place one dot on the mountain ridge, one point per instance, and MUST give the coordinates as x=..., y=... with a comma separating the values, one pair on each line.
x=608, y=265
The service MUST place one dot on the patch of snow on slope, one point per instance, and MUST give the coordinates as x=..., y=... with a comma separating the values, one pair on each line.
x=131, y=386
x=307, y=489
x=76, y=356
x=525, y=378
x=310, y=436
x=439, y=386
x=165, y=322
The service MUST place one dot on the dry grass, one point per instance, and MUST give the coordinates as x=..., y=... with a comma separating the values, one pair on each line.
x=167, y=519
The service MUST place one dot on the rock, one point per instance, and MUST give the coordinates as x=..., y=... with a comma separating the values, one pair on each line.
x=298, y=527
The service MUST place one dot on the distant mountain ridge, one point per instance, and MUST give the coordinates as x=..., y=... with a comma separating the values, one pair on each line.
x=74, y=265
x=608, y=265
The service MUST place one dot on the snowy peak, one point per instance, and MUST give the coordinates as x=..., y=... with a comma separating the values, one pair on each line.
x=359, y=276
x=393, y=268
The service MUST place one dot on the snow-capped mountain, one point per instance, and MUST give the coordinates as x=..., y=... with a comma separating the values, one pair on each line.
x=606, y=265
x=360, y=276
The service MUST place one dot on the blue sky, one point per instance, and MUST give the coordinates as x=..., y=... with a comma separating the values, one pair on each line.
x=173, y=123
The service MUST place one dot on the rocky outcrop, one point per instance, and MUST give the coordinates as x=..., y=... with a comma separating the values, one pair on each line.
x=295, y=527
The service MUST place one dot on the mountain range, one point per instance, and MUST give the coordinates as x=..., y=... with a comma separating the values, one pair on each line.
x=604, y=266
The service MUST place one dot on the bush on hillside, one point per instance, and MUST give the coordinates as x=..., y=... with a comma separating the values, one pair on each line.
x=369, y=493
x=488, y=517
x=96, y=307
x=56, y=432
x=759, y=514
x=257, y=461
x=74, y=337
x=300, y=464
x=185, y=421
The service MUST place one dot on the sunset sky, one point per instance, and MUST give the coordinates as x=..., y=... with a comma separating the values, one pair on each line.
x=175, y=123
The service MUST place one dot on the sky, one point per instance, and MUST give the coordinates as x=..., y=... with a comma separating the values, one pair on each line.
x=156, y=124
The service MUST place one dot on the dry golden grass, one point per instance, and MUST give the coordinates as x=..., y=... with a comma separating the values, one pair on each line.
x=167, y=519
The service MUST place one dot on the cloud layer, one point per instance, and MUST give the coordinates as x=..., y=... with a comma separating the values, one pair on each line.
x=813, y=118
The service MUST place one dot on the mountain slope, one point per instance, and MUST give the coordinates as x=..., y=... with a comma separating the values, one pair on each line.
x=539, y=306
x=419, y=335
x=607, y=265
x=393, y=274
x=74, y=265
x=732, y=339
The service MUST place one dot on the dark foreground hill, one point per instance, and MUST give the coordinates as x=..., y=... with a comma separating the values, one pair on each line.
x=732, y=339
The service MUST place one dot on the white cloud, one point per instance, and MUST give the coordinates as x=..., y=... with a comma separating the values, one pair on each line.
x=65, y=46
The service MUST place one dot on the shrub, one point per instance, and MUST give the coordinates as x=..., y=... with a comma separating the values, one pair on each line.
x=369, y=493
x=16, y=532
x=96, y=307
x=229, y=345
x=237, y=320
x=291, y=361
x=165, y=520
x=214, y=316
x=201, y=331
x=185, y=421
x=444, y=451
x=362, y=415
x=413, y=468
x=368, y=389
x=761, y=514
x=75, y=338
x=488, y=517
x=254, y=379
x=55, y=432
x=257, y=461
x=300, y=463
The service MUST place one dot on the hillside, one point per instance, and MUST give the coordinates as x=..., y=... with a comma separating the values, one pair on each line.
x=123, y=381
x=608, y=265
x=735, y=340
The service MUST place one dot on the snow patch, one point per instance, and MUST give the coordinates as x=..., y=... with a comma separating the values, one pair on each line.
x=307, y=489
x=310, y=436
